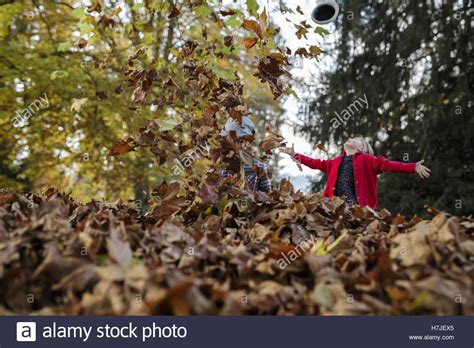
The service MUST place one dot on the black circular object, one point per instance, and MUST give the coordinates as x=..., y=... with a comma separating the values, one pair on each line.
x=324, y=13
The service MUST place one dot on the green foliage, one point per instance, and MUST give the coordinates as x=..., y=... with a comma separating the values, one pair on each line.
x=235, y=21
x=78, y=56
x=321, y=31
x=252, y=7
x=167, y=124
x=59, y=74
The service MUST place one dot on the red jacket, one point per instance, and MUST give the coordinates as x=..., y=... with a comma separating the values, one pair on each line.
x=366, y=169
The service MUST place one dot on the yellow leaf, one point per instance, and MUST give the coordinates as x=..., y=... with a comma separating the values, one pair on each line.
x=77, y=104
x=318, y=248
x=321, y=248
x=116, y=12
x=338, y=240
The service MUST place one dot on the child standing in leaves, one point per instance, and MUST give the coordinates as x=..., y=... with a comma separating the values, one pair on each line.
x=256, y=172
x=353, y=175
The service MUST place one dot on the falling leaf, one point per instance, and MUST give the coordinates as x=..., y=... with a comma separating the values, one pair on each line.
x=121, y=147
x=228, y=12
x=252, y=7
x=321, y=31
x=59, y=74
x=320, y=147
x=254, y=26
x=314, y=50
x=174, y=12
x=301, y=32
x=272, y=141
x=77, y=104
x=116, y=11
x=95, y=6
x=249, y=42
x=167, y=124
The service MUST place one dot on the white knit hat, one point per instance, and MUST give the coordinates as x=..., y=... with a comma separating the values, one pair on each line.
x=246, y=129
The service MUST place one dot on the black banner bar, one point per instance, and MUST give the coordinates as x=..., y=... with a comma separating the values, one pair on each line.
x=258, y=331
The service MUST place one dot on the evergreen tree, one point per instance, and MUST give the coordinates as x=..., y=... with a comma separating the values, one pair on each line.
x=413, y=62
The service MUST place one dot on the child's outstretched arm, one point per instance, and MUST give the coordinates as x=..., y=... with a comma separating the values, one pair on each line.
x=422, y=171
x=313, y=163
x=383, y=164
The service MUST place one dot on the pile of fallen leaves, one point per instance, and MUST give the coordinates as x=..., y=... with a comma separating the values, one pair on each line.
x=288, y=254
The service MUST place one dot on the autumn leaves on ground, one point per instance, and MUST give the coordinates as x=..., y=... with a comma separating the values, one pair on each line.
x=292, y=254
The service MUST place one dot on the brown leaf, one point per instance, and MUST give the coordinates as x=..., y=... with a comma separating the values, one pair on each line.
x=272, y=141
x=210, y=110
x=249, y=42
x=252, y=25
x=121, y=147
x=301, y=32
x=258, y=233
x=119, y=250
x=320, y=147
x=174, y=12
x=227, y=12
x=228, y=40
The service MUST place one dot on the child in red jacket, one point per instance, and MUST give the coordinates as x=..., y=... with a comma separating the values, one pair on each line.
x=353, y=175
